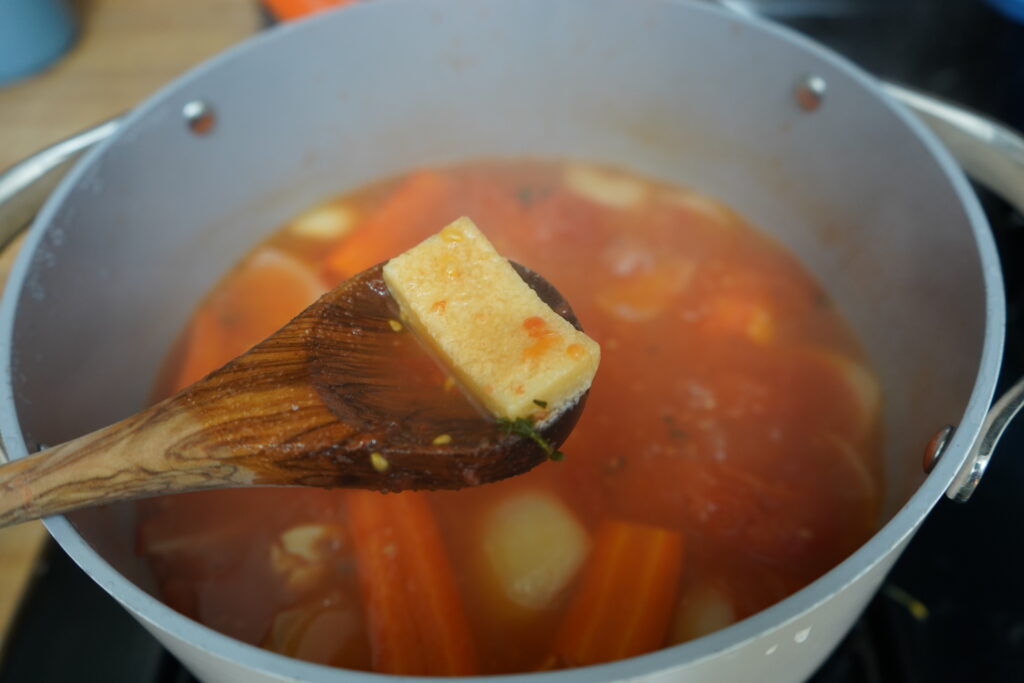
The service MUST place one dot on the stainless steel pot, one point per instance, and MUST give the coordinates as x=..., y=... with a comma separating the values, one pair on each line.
x=806, y=145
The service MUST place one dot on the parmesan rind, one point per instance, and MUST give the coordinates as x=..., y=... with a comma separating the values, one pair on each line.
x=510, y=350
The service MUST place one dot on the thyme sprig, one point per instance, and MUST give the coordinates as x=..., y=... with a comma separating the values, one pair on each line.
x=526, y=428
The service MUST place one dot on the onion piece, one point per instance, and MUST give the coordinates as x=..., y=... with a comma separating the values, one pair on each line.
x=702, y=609
x=604, y=187
x=326, y=222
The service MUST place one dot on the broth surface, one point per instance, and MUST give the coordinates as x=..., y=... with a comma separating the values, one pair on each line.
x=728, y=455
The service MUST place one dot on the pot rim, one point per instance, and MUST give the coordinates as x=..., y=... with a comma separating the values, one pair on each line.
x=155, y=614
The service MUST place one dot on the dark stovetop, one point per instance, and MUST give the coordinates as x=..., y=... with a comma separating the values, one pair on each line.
x=963, y=565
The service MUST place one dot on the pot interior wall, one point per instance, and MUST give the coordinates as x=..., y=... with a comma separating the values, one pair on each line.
x=680, y=92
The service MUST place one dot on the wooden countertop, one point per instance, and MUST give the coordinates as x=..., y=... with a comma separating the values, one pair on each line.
x=126, y=50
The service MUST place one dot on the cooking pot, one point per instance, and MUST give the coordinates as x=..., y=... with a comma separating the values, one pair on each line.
x=803, y=143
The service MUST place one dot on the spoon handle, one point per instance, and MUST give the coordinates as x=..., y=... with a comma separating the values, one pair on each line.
x=144, y=455
x=254, y=422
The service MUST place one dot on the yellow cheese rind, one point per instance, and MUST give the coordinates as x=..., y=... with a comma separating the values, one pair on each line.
x=507, y=347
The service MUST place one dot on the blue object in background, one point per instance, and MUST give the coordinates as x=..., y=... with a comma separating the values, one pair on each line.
x=33, y=34
x=1014, y=9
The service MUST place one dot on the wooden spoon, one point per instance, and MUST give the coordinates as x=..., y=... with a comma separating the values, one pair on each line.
x=336, y=398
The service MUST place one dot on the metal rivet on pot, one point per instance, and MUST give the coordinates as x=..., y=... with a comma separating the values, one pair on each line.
x=937, y=444
x=199, y=116
x=810, y=92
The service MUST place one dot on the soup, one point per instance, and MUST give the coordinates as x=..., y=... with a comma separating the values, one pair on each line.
x=728, y=455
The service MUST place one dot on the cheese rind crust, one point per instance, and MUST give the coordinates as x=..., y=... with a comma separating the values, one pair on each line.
x=510, y=350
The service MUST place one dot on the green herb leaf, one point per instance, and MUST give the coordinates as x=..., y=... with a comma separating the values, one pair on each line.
x=538, y=402
x=525, y=427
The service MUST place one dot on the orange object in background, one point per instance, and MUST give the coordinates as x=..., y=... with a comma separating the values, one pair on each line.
x=284, y=10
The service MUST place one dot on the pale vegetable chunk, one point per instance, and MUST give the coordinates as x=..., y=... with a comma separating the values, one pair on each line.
x=714, y=212
x=533, y=546
x=862, y=482
x=312, y=542
x=511, y=352
x=605, y=188
x=325, y=222
x=703, y=609
x=302, y=554
x=327, y=630
x=862, y=385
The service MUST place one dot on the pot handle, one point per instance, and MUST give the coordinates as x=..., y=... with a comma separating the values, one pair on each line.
x=996, y=422
x=993, y=155
x=26, y=185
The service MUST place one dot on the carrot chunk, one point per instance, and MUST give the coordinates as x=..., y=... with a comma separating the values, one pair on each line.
x=414, y=614
x=410, y=213
x=206, y=348
x=623, y=606
x=265, y=292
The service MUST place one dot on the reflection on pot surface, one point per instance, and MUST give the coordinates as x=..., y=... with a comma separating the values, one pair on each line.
x=728, y=456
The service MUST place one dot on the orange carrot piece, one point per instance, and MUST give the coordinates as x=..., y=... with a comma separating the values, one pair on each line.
x=732, y=314
x=624, y=603
x=414, y=613
x=205, y=349
x=416, y=209
x=269, y=289
x=265, y=292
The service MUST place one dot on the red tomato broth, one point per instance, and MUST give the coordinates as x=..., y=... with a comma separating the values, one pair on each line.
x=723, y=410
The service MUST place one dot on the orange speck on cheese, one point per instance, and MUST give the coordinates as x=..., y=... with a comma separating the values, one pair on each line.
x=575, y=351
x=544, y=337
x=439, y=307
x=539, y=348
x=536, y=327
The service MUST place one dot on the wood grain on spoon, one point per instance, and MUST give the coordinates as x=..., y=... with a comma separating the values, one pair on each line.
x=333, y=399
